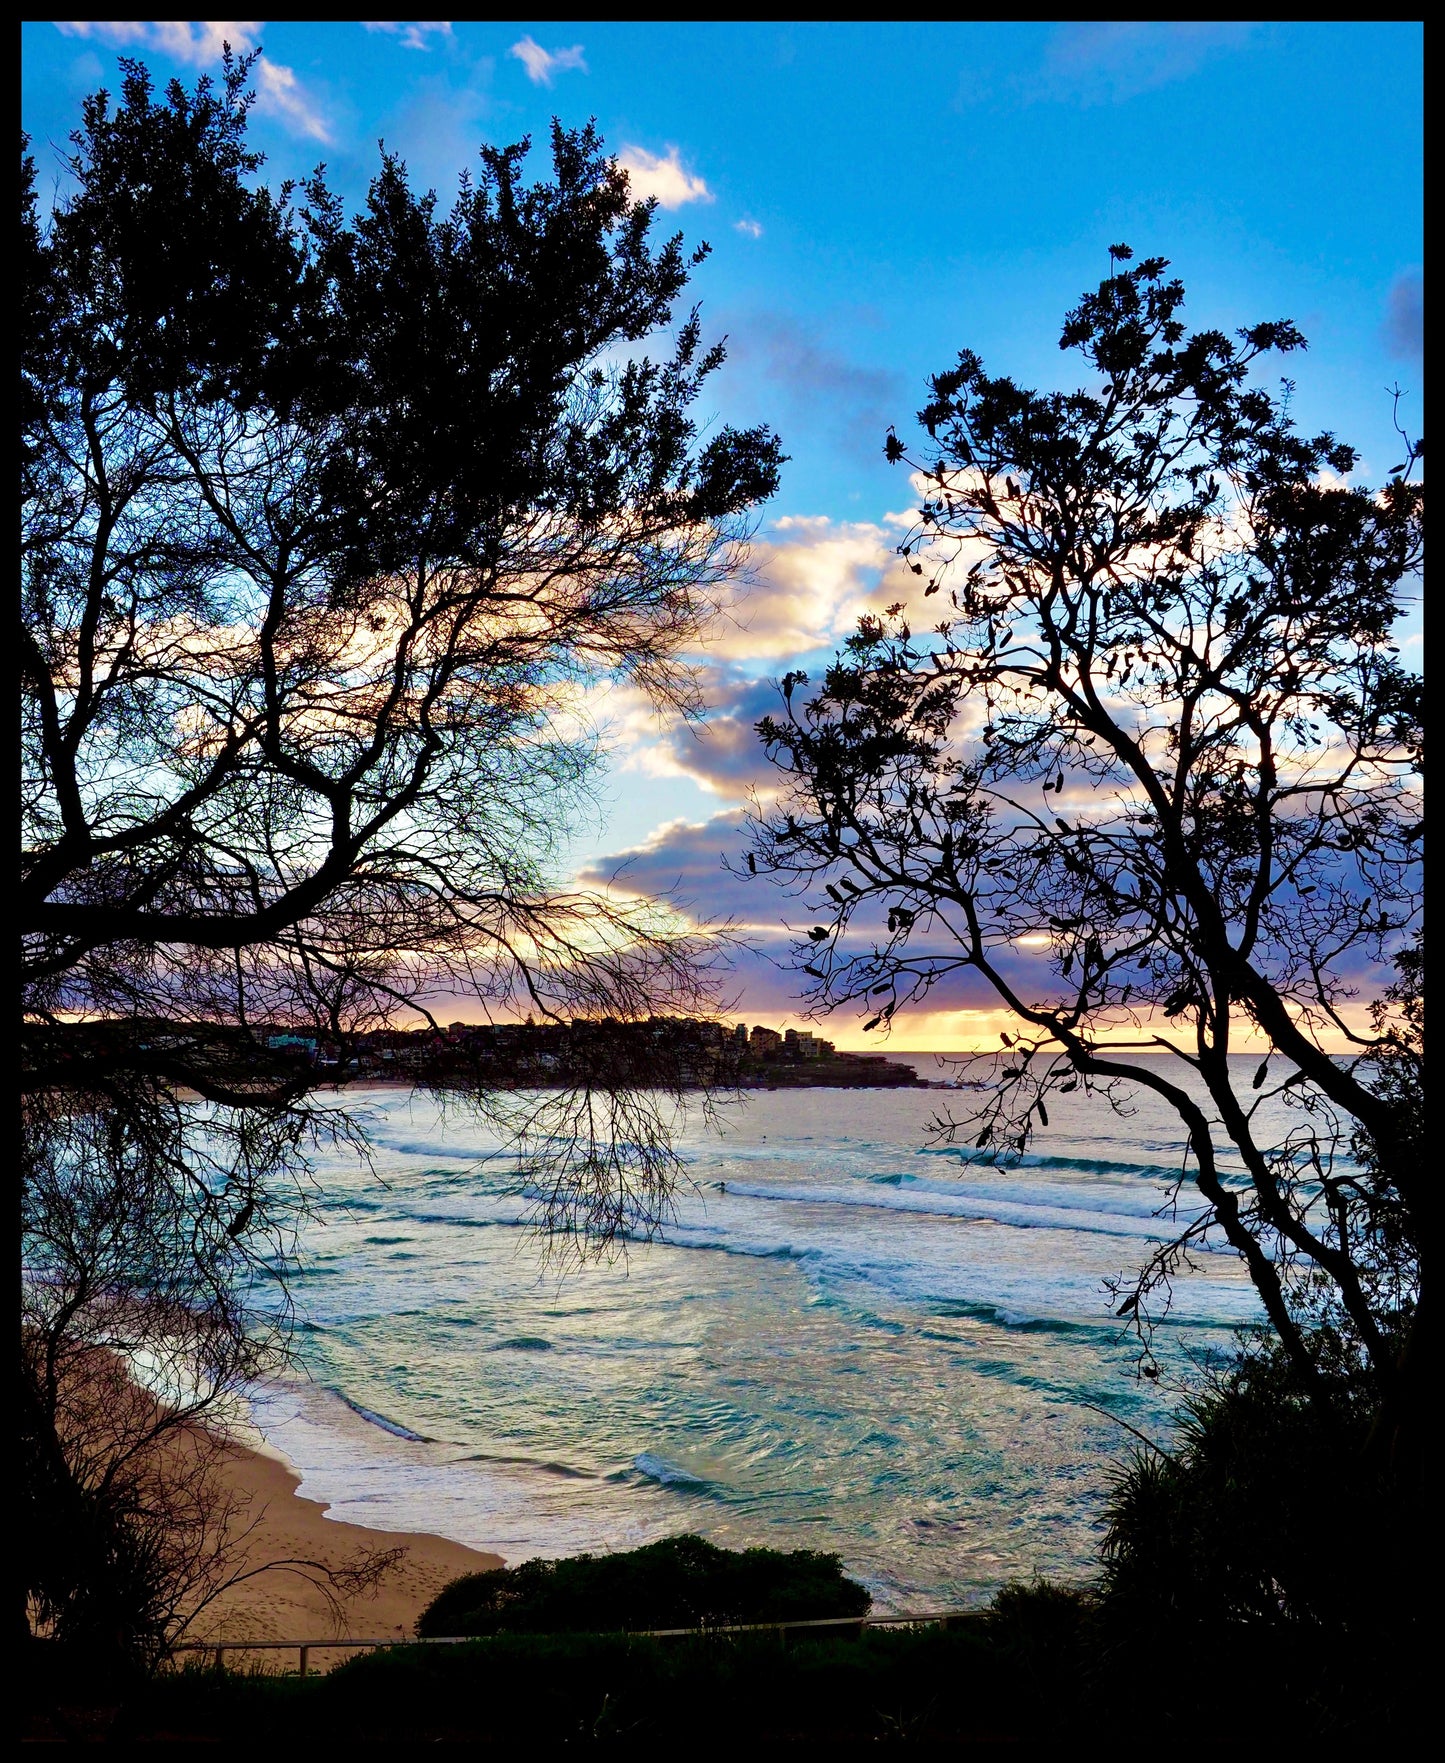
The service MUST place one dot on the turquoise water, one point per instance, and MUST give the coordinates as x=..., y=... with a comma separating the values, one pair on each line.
x=859, y=1342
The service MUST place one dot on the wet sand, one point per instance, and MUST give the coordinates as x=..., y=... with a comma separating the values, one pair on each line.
x=280, y=1604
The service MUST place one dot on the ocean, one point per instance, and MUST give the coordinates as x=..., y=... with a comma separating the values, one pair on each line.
x=851, y=1338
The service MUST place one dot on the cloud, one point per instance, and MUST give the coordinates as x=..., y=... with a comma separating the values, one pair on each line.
x=1101, y=63
x=413, y=32
x=280, y=94
x=749, y=227
x=684, y=861
x=700, y=868
x=543, y=65
x=777, y=350
x=722, y=753
x=808, y=582
x=1405, y=317
x=809, y=579
x=194, y=44
x=662, y=176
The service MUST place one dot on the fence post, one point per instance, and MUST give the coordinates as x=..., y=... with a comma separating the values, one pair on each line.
x=305, y=1658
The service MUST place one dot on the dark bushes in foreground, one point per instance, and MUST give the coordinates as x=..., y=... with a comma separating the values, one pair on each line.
x=1278, y=1529
x=1274, y=1509
x=1042, y=1666
x=680, y=1582
x=529, y=1691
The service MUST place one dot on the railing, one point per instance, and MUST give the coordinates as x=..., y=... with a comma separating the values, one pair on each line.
x=304, y=1649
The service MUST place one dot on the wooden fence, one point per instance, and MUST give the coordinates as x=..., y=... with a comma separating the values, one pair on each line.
x=856, y=1624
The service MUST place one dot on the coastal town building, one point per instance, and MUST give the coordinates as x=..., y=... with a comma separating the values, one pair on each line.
x=676, y=1052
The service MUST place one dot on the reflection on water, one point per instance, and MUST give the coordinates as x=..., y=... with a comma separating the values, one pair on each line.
x=860, y=1342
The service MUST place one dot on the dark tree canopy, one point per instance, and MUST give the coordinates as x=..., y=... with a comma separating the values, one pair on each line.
x=1161, y=731
x=324, y=527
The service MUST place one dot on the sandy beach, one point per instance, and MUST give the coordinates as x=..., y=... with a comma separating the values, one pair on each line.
x=282, y=1605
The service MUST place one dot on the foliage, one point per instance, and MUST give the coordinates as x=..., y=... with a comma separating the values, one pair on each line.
x=1151, y=778
x=680, y=1582
x=1044, y=1664
x=1272, y=1522
x=1387, y=1234
x=1227, y=1527
x=317, y=558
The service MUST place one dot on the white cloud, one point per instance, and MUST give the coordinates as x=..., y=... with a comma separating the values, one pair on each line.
x=809, y=579
x=810, y=583
x=543, y=65
x=749, y=227
x=413, y=32
x=663, y=176
x=196, y=44
x=279, y=93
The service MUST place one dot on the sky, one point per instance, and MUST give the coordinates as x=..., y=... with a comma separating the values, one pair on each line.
x=877, y=197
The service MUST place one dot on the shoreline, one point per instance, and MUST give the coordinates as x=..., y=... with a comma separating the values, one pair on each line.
x=282, y=1605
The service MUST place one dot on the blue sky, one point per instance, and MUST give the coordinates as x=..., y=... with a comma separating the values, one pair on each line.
x=878, y=197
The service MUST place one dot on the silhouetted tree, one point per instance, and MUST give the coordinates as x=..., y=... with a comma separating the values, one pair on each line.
x=324, y=526
x=1161, y=732
x=327, y=528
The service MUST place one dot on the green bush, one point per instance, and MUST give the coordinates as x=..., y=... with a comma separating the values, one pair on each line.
x=1271, y=1511
x=681, y=1582
x=1277, y=1528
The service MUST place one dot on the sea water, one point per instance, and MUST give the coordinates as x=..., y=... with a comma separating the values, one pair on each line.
x=851, y=1337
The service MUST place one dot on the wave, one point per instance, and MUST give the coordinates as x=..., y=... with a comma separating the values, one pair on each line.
x=394, y=1427
x=979, y=1207
x=1116, y=1197
x=449, y=1150
x=457, y=1220
x=1022, y=1321
x=696, y=1236
x=975, y=1159
x=522, y=1343
x=672, y=1475
x=565, y=1470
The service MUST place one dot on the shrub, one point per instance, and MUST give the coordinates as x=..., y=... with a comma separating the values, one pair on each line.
x=681, y=1582
x=1276, y=1524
